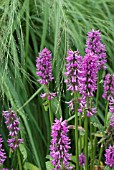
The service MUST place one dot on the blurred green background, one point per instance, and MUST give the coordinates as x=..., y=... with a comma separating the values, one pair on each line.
x=26, y=27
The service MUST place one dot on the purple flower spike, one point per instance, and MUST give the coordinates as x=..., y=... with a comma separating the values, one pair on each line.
x=111, y=105
x=88, y=81
x=60, y=145
x=108, y=86
x=73, y=70
x=44, y=66
x=89, y=78
x=112, y=121
x=2, y=153
x=12, y=123
x=93, y=44
x=82, y=159
x=109, y=94
x=109, y=156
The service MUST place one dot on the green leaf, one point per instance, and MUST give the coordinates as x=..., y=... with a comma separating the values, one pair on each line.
x=29, y=166
x=95, y=121
x=73, y=158
x=48, y=157
x=23, y=151
x=98, y=134
x=49, y=166
x=108, y=168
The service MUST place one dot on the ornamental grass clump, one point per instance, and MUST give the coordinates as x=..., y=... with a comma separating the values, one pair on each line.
x=12, y=123
x=60, y=144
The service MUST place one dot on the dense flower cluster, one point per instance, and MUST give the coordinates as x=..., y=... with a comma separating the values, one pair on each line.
x=60, y=145
x=2, y=153
x=73, y=73
x=93, y=44
x=89, y=77
x=88, y=81
x=108, y=86
x=112, y=121
x=109, y=156
x=12, y=123
x=44, y=66
x=109, y=94
x=82, y=159
x=49, y=95
x=73, y=70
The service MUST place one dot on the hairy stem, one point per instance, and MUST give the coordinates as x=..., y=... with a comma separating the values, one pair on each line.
x=91, y=139
x=101, y=149
x=86, y=136
x=19, y=159
x=76, y=131
x=97, y=98
x=50, y=114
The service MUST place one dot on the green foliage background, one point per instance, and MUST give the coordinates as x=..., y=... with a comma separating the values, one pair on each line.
x=26, y=27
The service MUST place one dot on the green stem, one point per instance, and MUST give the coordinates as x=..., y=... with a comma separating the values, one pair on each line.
x=106, y=113
x=92, y=149
x=76, y=131
x=86, y=136
x=50, y=114
x=97, y=98
x=86, y=140
x=49, y=103
x=80, y=123
x=101, y=149
x=19, y=159
x=91, y=139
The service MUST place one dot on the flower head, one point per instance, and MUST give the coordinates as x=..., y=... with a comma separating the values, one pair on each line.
x=93, y=44
x=60, y=145
x=89, y=77
x=44, y=66
x=108, y=86
x=2, y=153
x=109, y=156
x=82, y=159
x=12, y=122
x=73, y=70
x=109, y=91
x=88, y=81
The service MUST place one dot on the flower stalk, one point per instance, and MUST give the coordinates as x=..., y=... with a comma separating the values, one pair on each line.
x=19, y=159
x=76, y=130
